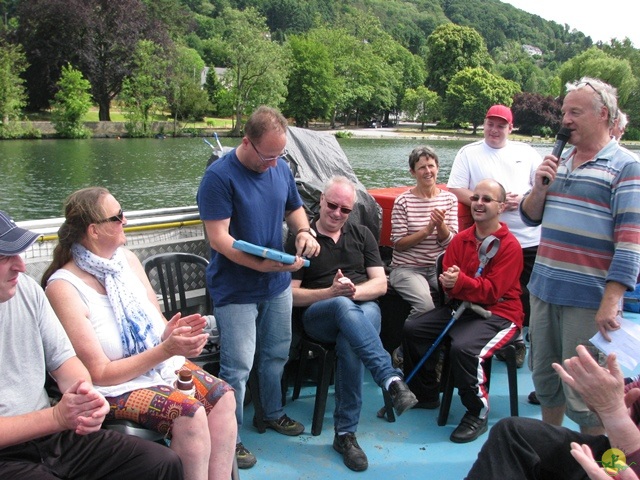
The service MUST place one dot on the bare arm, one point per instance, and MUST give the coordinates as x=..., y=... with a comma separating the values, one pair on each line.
x=603, y=390
x=306, y=244
x=373, y=288
x=74, y=316
x=222, y=242
x=462, y=194
x=81, y=409
x=533, y=204
x=606, y=316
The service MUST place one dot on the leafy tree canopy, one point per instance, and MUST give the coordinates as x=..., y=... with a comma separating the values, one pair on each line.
x=596, y=63
x=451, y=49
x=472, y=91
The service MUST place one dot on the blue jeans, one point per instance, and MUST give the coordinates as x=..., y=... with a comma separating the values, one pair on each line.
x=354, y=327
x=262, y=330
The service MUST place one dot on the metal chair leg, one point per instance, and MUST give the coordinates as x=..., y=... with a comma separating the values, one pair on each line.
x=388, y=406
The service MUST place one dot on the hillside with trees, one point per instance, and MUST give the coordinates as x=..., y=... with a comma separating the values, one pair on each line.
x=336, y=61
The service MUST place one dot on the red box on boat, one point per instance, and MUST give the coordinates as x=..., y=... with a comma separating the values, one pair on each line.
x=385, y=198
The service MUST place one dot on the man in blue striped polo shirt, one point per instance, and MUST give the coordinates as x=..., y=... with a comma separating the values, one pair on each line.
x=589, y=252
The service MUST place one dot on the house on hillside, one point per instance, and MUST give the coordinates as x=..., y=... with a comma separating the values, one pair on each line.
x=205, y=71
x=531, y=50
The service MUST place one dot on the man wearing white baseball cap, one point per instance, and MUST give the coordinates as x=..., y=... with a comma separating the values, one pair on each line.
x=63, y=441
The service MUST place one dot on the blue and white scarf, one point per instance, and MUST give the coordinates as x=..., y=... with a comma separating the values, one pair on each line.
x=136, y=328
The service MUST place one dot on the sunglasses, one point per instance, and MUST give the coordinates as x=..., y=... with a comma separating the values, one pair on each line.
x=485, y=199
x=598, y=92
x=335, y=206
x=267, y=159
x=118, y=217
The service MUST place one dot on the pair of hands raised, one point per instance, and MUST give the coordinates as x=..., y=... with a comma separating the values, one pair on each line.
x=185, y=335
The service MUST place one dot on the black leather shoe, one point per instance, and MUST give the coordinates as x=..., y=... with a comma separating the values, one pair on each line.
x=533, y=398
x=402, y=398
x=352, y=455
x=470, y=428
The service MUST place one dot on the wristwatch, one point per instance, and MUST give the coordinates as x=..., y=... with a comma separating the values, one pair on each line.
x=308, y=230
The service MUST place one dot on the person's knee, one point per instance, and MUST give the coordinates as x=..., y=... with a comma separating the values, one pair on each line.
x=188, y=427
x=505, y=425
x=226, y=403
x=343, y=304
x=409, y=329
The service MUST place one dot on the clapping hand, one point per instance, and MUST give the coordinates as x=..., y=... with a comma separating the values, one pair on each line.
x=342, y=286
x=583, y=455
x=81, y=408
x=185, y=335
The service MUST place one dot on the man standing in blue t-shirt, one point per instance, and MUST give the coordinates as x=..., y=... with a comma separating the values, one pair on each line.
x=245, y=195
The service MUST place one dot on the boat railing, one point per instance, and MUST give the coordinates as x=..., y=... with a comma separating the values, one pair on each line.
x=177, y=229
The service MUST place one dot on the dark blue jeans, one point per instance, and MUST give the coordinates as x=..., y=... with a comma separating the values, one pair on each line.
x=354, y=327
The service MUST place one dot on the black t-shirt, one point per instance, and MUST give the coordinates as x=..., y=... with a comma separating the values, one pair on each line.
x=355, y=251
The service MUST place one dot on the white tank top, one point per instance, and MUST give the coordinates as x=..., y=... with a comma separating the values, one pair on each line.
x=108, y=332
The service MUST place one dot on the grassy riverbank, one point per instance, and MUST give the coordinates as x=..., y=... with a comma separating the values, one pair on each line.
x=223, y=126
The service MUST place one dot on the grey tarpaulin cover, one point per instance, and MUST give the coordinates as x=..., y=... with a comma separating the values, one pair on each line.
x=314, y=157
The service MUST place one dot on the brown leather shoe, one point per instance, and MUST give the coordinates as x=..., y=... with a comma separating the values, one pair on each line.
x=352, y=455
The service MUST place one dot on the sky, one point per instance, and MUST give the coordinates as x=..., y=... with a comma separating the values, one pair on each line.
x=601, y=20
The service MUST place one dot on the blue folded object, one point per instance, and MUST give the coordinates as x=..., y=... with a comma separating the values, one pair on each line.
x=266, y=252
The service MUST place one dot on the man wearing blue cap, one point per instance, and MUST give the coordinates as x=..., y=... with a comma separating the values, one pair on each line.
x=38, y=440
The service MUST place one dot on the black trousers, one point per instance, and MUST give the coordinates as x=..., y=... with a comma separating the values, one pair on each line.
x=526, y=448
x=101, y=455
x=472, y=339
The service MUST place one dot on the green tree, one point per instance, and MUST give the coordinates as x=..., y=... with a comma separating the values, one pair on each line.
x=405, y=70
x=71, y=103
x=421, y=104
x=256, y=65
x=97, y=36
x=452, y=48
x=472, y=91
x=625, y=51
x=143, y=92
x=596, y=63
x=366, y=83
x=186, y=98
x=12, y=92
x=312, y=81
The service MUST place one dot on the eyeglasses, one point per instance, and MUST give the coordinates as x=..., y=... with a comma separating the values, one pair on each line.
x=598, y=92
x=267, y=159
x=485, y=199
x=335, y=206
x=118, y=217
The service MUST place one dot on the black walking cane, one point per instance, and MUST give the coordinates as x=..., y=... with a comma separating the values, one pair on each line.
x=488, y=249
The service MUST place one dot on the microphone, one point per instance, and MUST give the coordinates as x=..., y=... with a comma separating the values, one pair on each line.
x=561, y=140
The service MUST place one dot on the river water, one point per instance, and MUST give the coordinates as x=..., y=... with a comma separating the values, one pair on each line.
x=37, y=175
